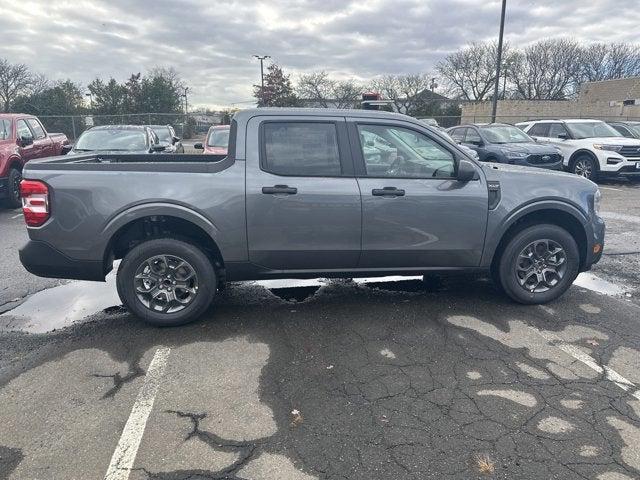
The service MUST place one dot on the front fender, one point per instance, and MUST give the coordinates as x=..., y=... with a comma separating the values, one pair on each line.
x=494, y=237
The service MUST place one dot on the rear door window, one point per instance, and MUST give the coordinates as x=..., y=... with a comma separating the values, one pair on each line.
x=303, y=149
x=557, y=129
x=539, y=130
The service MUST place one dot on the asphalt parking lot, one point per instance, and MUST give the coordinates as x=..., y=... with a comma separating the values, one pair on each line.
x=382, y=379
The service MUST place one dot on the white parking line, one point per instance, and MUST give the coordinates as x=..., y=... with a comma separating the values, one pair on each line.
x=611, y=188
x=127, y=448
x=16, y=216
x=622, y=382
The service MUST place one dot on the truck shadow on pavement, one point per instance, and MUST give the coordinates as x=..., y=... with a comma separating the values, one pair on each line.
x=357, y=381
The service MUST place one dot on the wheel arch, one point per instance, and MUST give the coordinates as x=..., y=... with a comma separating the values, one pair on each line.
x=584, y=151
x=561, y=214
x=149, y=221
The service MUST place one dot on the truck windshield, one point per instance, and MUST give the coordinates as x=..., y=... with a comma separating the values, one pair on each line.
x=591, y=130
x=114, y=140
x=218, y=138
x=505, y=134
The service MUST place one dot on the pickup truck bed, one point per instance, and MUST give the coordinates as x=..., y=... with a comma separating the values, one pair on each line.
x=300, y=195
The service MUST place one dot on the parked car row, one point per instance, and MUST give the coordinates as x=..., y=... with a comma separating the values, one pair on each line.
x=590, y=148
x=129, y=139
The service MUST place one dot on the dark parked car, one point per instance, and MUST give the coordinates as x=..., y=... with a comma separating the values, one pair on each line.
x=300, y=196
x=118, y=138
x=502, y=143
x=628, y=129
x=167, y=136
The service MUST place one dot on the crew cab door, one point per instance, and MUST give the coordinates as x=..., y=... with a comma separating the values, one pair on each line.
x=415, y=213
x=303, y=202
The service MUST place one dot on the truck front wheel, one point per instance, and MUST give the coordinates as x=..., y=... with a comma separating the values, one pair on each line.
x=539, y=264
x=13, y=198
x=166, y=282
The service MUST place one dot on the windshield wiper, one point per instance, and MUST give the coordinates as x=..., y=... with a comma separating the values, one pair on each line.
x=83, y=150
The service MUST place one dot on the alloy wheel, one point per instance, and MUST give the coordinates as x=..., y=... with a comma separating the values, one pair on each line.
x=166, y=283
x=584, y=168
x=541, y=265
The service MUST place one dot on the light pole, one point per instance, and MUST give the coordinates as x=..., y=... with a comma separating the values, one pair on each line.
x=494, y=107
x=262, y=58
x=90, y=100
x=186, y=103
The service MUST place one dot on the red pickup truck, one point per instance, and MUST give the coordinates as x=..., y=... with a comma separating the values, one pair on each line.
x=23, y=138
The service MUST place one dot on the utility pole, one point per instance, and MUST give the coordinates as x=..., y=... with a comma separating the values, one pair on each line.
x=262, y=58
x=494, y=107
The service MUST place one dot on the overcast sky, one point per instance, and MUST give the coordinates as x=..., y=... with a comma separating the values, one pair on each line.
x=211, y=42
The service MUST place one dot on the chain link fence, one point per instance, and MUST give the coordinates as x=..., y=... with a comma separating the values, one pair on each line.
x=186, y=125
x=189, y=126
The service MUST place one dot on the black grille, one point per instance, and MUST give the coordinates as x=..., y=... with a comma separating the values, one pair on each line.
x=630, y=151
x=543, y=159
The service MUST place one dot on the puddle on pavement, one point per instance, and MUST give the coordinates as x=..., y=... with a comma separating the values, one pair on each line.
x=62, y=306
x=591, y=282
x=295, y=294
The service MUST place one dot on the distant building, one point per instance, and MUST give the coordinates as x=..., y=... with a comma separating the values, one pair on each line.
x=605, y=100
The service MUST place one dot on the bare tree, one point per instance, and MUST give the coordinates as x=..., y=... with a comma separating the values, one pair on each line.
x=406, y=91
x=15, y=79
x=470, y=73
x=602, y=61
x=547, y=70
x=323, y=91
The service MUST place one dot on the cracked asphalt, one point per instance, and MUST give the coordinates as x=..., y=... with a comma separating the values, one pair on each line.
x=332, y=379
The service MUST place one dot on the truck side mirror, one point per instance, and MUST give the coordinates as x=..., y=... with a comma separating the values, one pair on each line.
x=563, y=136
x=26, y=141
x=66, y=149
x=175, y=140
x=466, y=171
x=198, y=146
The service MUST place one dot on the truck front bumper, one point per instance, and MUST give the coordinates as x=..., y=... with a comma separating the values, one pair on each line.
x=595, y=242
x=43, y=260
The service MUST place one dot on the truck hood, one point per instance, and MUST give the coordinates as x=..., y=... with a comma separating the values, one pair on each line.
x=613, y=141
x=528, y=147
x=497, y=171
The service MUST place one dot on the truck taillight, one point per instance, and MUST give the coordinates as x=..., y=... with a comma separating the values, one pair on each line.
x=35, y=202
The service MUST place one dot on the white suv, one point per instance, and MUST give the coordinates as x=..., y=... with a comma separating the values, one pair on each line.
x=591, y=148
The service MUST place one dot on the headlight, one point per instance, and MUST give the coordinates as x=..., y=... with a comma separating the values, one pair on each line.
x=514, y=154
x=596, y=202
x=610, y=148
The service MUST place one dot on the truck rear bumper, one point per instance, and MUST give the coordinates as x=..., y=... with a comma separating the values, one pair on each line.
x=43, y=260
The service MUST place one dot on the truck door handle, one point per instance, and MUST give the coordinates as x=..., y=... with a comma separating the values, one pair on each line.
x=280, y=189
x=387, y=192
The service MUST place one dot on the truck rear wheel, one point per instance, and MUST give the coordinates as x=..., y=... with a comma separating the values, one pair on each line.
x=166, y=282
x=539, y=264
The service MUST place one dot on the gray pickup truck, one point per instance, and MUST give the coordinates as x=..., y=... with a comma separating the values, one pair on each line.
x=305, y=193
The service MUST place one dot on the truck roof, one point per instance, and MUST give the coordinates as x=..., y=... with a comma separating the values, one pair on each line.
x=319, y=112
x=120, y=127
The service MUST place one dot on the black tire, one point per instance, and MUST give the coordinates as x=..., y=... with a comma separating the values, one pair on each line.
x=585, y=166
x=508, y=265
x=195, y=259
x=13, y=189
